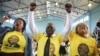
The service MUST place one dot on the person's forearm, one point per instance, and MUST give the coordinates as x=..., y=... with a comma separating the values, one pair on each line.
x=31, y=22
x=2, y=20
x=67, y=26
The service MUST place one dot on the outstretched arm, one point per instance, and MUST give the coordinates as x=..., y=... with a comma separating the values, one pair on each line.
x=31, y=20
x=67, y=26
x=68, y=21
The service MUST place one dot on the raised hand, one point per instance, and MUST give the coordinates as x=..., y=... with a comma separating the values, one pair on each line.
x=32, y=6
x=68, y=8
x=7, y=17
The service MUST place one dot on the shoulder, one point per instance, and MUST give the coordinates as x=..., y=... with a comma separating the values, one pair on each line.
x=71, y=34
x=58, y=34
x=39, y=34
x=93, y=40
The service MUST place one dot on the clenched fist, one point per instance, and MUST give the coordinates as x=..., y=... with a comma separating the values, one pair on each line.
x=68, y=7
x=7, y=17
x=32, y=6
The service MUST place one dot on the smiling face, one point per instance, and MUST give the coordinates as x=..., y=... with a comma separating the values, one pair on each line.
x=83, y=50
x=50, y=30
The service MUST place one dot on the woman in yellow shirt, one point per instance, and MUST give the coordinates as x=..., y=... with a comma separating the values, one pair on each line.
x=14, y=43
x=80, y=43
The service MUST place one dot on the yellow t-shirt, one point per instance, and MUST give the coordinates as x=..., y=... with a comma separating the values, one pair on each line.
x=41, y=38
x=79, y=45
x=13, y=42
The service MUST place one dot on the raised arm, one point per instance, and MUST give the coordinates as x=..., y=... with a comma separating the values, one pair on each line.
x=1, y=28
x=68, y=21
x=31, y=20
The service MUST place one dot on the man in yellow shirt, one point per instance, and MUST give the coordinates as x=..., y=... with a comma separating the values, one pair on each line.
x=80, y=43
x=44, y=40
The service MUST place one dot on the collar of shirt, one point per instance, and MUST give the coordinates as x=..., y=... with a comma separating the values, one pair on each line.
x=51, y=36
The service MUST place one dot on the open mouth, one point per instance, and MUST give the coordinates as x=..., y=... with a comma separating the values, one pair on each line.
x=17, y=25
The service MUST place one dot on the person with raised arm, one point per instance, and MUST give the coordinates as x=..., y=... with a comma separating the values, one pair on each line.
x=44, y=40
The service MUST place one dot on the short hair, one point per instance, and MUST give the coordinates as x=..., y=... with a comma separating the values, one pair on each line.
x=51, y=24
